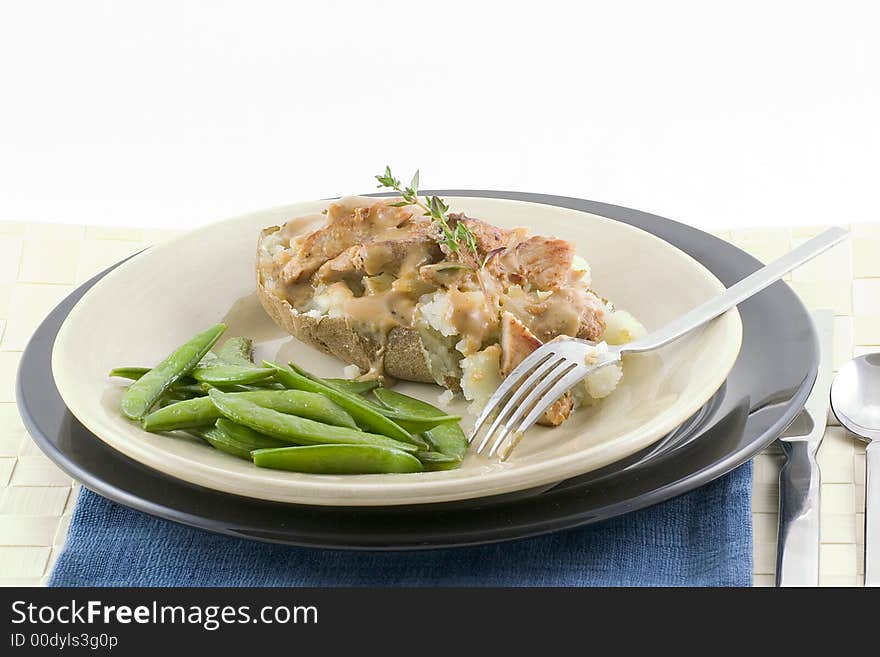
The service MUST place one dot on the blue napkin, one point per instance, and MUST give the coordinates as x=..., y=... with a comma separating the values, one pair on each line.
x=703, y=538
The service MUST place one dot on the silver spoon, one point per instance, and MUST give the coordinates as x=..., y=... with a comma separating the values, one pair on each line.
x=855, y=400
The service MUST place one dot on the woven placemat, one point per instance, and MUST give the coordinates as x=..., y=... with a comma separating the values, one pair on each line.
x=41, y=263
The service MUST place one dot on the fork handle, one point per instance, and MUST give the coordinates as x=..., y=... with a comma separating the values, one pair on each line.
x=738, y=292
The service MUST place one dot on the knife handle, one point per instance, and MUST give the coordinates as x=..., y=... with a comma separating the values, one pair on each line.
x=872, y=508
x=797, y=560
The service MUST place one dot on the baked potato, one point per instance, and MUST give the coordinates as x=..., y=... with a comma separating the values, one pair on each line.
x=377, y=286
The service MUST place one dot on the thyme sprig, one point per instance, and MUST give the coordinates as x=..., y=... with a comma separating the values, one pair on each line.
x=457, y=238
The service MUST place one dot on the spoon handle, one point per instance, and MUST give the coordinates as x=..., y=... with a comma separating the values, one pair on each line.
x=872, y=520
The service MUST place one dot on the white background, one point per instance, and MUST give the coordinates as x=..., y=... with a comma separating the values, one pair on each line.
x=179, y=113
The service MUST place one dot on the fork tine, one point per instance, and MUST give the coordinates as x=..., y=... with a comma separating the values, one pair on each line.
x=547, y=400
x=529, y=362
x=535, y=393
x=518, y=394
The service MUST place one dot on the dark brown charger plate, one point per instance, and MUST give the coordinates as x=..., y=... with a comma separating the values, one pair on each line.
x=768, y=385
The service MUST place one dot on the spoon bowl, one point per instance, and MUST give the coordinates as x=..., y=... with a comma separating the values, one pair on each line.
x=855, y=400
x=855, y=396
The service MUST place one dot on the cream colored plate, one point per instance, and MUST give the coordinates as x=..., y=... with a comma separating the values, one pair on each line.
x=147, y=306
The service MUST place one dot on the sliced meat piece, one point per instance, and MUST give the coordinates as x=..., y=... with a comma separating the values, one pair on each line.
x=487, y=236
x=567, y=311
x=592, y=324
x=558, y=411
x=345, y=228
x=545, y=262
x=399, y=257
x=517, y=342
x=558, y=314
x=335, y=269
x=376, y=257
x=444, y=274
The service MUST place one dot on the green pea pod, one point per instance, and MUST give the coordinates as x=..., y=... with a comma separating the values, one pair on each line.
x=198, y=412
x=406, y=404
x=133, y=373
x=268, y=384
x=190, y=389
x=221, y=442
x=290, y=428
x=309, y=405
x=432, y=461
x=447, y=438
x=343, y=385
x=202, y=411
x=413, y=422
x=237, y=351
x=235, y=439
x=143, y=393
x=209, y=358
x=359, y=408
x=247, y=436
x=247, y=387
x=185, y=384
x=337, y=459
x=225, y=374
x=231, y=365
x=171, y=396
x=352, y=387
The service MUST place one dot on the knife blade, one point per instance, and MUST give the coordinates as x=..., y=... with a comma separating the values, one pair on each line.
x=797, y=555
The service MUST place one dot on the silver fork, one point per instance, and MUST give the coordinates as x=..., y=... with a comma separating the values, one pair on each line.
x=555, y=367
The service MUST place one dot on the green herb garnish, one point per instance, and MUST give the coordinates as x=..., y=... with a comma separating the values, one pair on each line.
x=458, y=238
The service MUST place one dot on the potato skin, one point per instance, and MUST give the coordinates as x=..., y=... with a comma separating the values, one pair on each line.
x=403, y=356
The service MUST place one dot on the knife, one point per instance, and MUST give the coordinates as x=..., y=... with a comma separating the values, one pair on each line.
x=797, y=554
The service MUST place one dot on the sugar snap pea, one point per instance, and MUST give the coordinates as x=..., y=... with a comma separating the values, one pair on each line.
x=413, y=422
x=337, y=459
x=133, y=373
x=352, y=387
x=185, y=385
x=237, y=351
x=168, y=398
x=189, y=389
x=223, y=373
x=267, y=384
x=309, y=405
x=294, y=429
x=231, y=365
x=221, y=442
x=235, y=439
x=344, y=385
x=198, y=412
x=432, y=461
x=406, y=404
x=446, y=438
x=202, y=411
x=171, y=396
x=247, y=435
x=359, y=408
x=143, y=393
